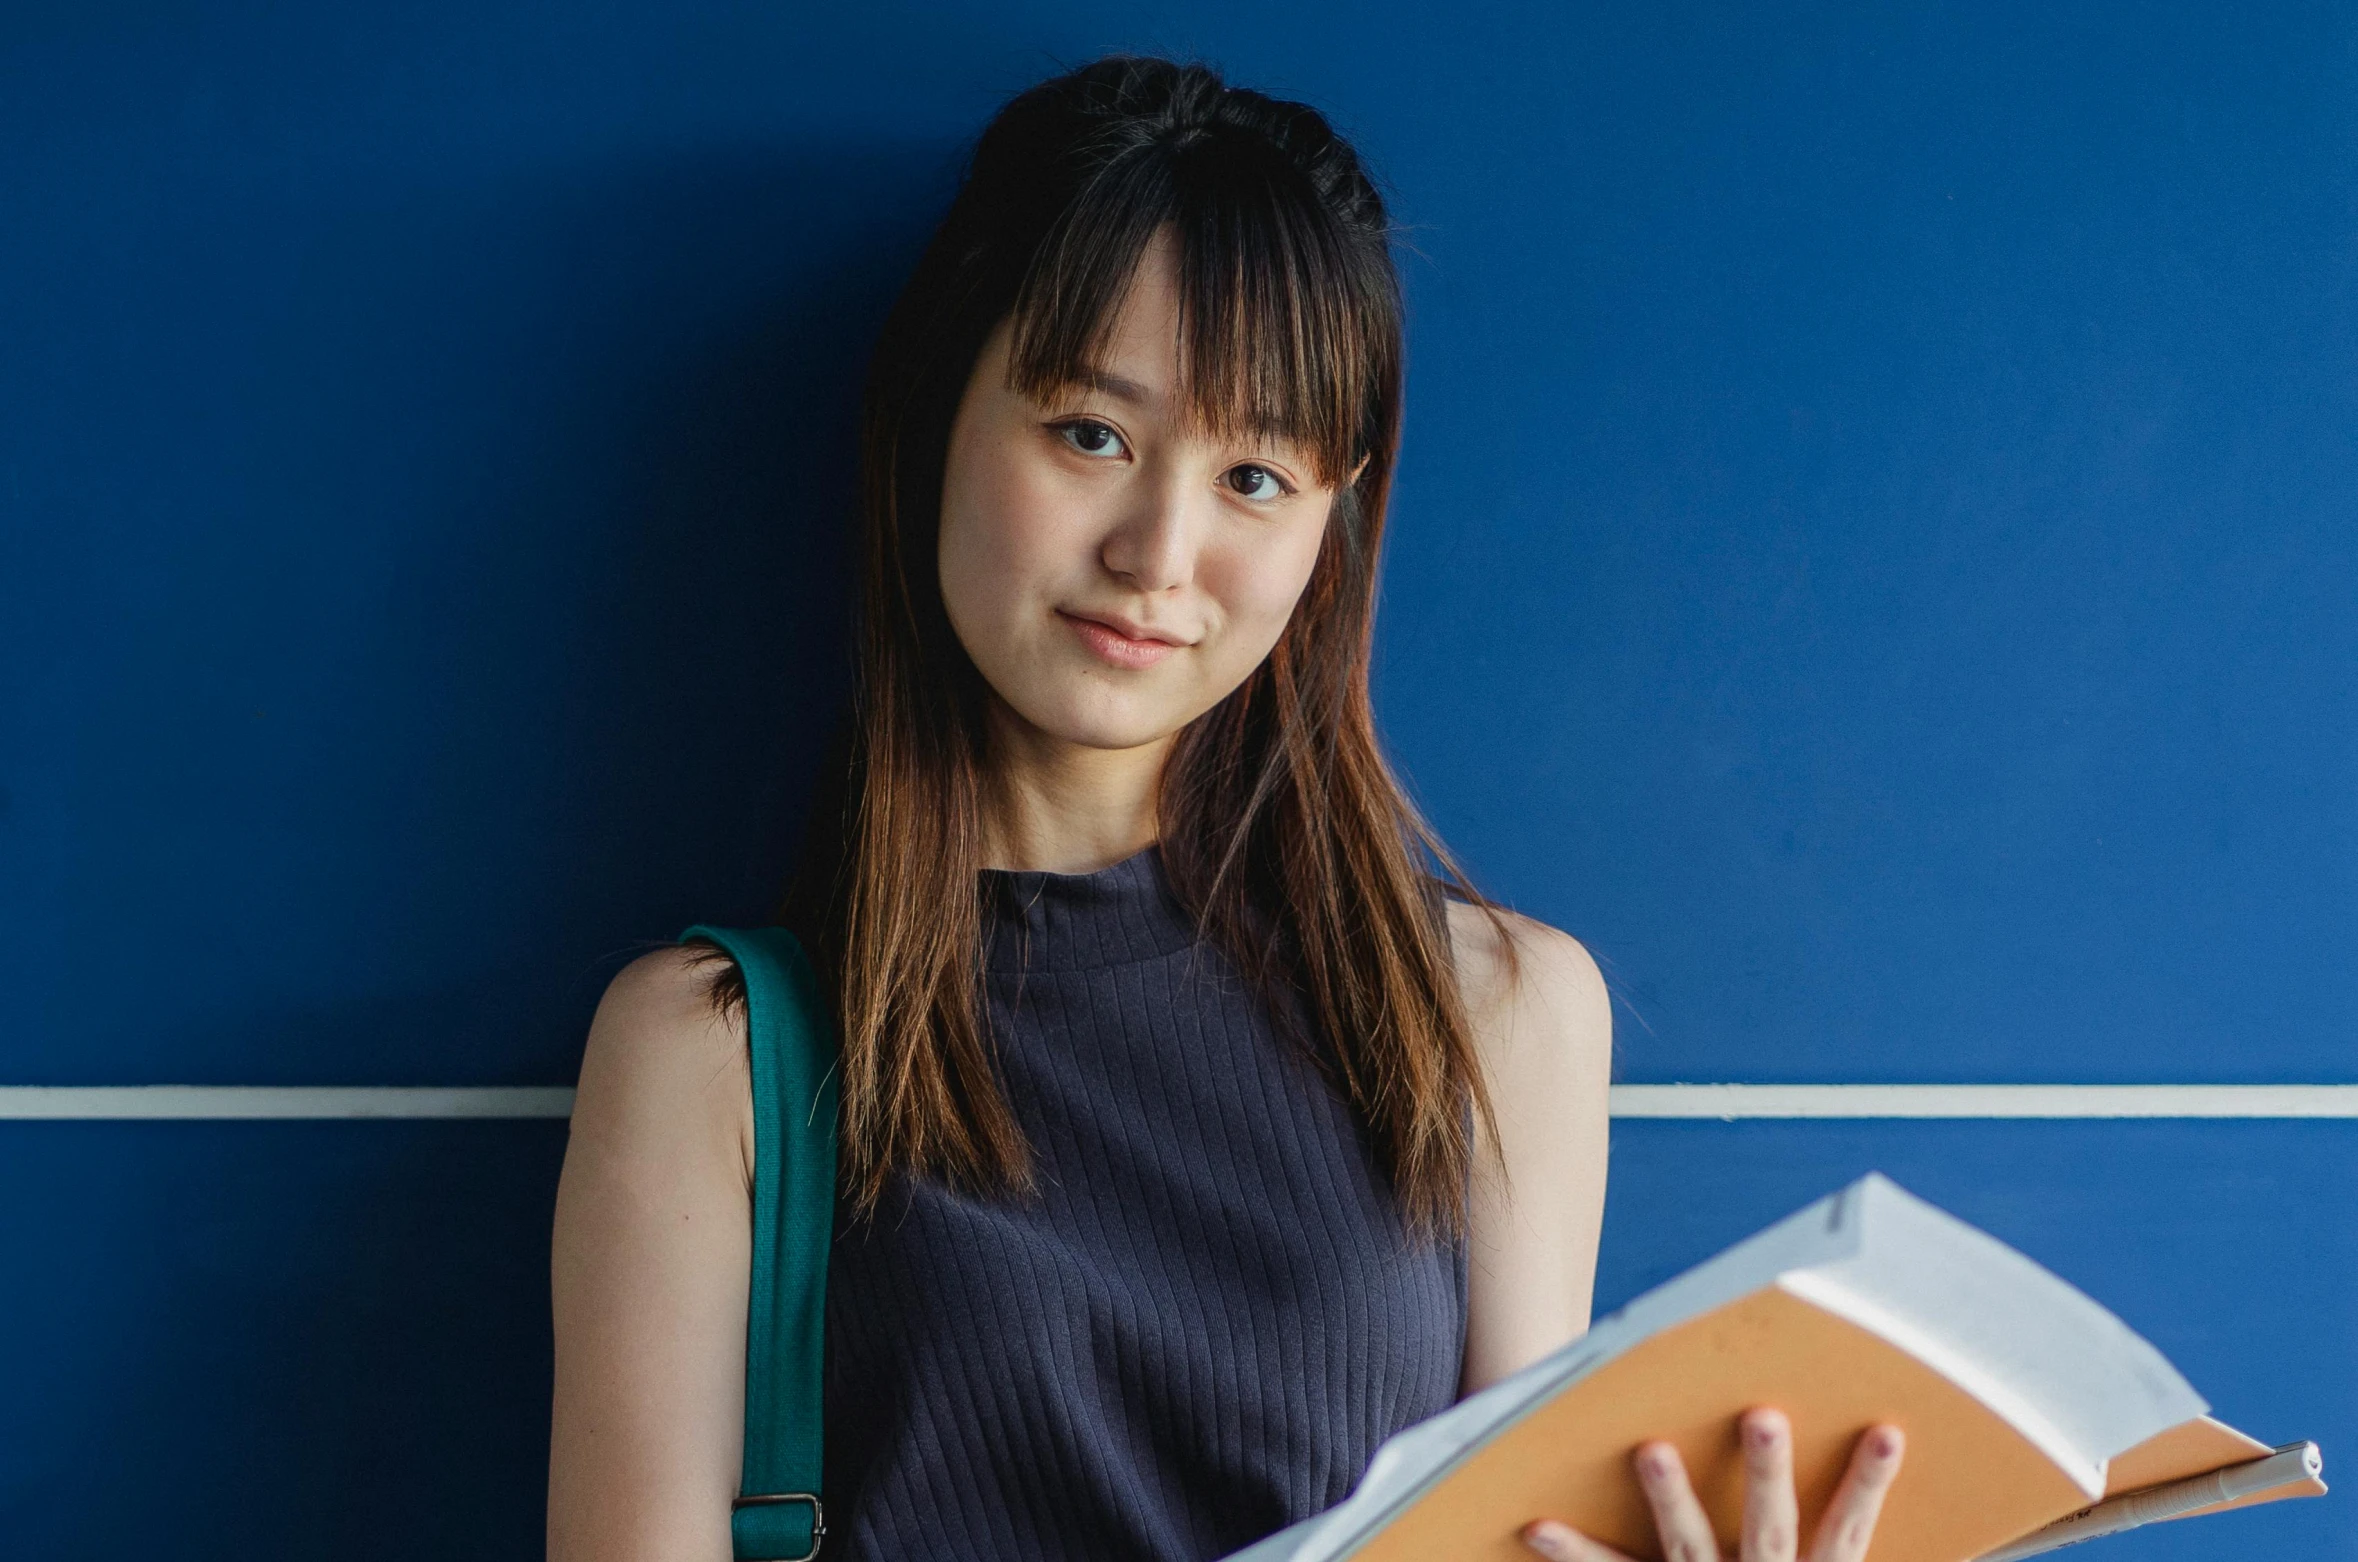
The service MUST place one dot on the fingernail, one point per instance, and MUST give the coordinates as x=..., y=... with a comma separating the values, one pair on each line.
x=1545, y=1537
x=1884, y=1443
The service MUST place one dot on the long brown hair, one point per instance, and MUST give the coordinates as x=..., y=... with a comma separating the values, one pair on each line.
x=1283, y=832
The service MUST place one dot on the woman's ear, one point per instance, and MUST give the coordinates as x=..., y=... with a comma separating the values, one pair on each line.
x=1355, y=471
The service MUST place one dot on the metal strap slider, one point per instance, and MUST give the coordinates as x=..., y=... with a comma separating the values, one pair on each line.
x=771, y=1499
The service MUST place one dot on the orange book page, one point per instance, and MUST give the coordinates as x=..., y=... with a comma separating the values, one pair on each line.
x=2189, y=1448
x=1969, y=1481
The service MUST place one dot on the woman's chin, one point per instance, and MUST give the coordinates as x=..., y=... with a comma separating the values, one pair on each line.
x=1101, y=724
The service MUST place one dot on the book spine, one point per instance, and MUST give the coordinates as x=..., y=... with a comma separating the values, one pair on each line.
x=2292, y=1463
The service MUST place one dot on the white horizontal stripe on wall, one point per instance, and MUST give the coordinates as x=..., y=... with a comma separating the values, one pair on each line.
x=1734, y=1101
x=1724, y=1102
x=88, y=1101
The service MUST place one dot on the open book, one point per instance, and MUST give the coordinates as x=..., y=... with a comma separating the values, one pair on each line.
x=2034, y=1417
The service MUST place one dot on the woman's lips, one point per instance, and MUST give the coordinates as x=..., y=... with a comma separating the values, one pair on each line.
x=1115, y=649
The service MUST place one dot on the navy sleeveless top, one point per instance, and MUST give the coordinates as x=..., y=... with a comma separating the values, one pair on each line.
x=1196, y=1330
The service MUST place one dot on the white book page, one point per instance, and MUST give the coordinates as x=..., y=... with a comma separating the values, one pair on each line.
x=2077, y=1382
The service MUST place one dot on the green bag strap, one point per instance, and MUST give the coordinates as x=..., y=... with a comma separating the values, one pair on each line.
x=777, y=1517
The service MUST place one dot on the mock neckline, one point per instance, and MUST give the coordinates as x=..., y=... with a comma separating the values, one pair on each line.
x=1037, y=920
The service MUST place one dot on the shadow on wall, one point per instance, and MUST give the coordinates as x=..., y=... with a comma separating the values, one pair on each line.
x=610, y=495
x=278, y=1339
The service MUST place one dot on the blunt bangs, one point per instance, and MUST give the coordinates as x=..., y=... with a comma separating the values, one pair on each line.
x=1289, y=327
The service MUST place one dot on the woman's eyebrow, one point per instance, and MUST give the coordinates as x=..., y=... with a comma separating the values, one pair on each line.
x=1113, y=385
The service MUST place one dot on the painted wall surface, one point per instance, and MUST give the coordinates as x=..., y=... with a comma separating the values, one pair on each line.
x=1876, y=558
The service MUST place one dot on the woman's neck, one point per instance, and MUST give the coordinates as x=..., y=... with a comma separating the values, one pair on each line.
x=1064, y=807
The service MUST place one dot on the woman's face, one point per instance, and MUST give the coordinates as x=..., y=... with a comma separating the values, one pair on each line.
x=1113, y=578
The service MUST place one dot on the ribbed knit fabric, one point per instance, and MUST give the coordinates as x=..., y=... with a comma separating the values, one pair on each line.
x=1199, y=1328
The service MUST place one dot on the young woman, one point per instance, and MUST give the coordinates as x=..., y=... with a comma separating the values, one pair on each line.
x=1201, y=1126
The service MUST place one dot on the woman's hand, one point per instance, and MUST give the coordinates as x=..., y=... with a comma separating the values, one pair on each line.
x=1772, y=1520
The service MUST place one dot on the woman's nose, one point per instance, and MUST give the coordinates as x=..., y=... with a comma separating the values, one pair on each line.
x=1152, y=544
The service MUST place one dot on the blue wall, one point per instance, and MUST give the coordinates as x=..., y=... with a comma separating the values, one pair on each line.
x=1875, y=558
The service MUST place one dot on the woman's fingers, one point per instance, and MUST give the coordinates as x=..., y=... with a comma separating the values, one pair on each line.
x=1771, y=1515
x=1772, y=1519
x=1849, y=1521
x=1679, y=1519
x=1559, y=1542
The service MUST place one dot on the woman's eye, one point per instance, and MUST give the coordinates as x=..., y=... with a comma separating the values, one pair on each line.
x=1090, y=437
x=1257, y=482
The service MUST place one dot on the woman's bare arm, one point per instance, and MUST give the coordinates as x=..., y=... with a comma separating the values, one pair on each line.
x=1546, y=1045
x=649, y=1274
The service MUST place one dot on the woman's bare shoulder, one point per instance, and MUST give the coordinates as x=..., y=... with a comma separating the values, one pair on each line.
x=665, y=1069
x=670, y=985
x=1543, y=1028
x=1553, y=977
